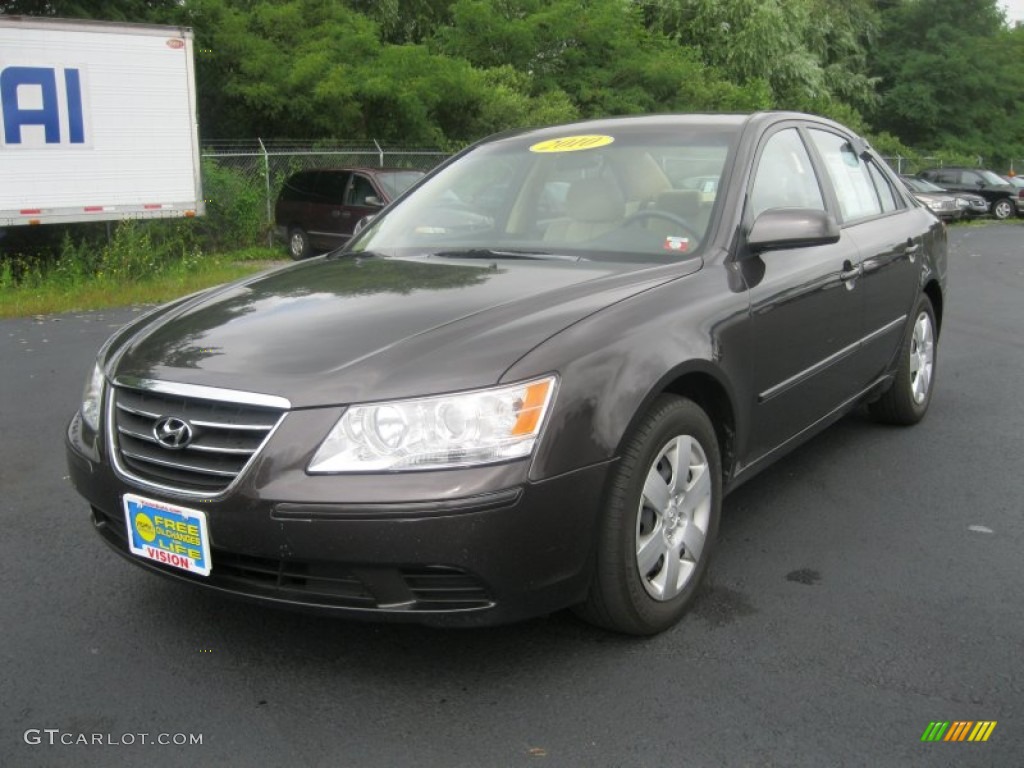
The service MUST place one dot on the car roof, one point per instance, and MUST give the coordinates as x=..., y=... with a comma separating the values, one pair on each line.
x=641, y=123
x=364, y=169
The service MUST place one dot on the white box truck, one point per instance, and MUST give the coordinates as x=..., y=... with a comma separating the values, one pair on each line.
x=97, y=122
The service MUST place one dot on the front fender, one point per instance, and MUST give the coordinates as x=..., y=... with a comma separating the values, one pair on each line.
x=613, y=364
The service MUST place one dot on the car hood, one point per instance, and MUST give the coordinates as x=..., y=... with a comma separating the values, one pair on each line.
x=926, y=197
x=354, y=329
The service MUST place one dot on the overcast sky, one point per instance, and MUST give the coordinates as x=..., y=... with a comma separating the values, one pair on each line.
x=1014, y=10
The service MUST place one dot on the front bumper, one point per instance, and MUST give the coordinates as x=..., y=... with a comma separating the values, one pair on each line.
x=472, y=547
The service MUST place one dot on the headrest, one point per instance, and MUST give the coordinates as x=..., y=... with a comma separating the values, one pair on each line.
x=681, y=202
x=594, y=200
x=642, y=177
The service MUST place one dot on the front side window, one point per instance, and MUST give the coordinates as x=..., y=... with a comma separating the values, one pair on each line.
x=785, y=177
x=359, y=191
x=849, y=175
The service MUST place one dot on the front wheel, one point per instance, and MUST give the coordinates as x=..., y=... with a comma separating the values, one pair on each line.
x=1002, y=209
x=906, y=401
x=660, y=521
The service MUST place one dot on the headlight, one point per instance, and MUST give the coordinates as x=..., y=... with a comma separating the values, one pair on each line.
x=92, y=399
x=480, y=427
x=962, y=203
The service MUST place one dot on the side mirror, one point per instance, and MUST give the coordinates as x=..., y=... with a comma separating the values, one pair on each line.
x=373, y=200
x=792, y=228
x=362, y=223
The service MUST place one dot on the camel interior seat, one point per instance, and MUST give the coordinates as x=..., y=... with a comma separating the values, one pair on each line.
x=593, y=208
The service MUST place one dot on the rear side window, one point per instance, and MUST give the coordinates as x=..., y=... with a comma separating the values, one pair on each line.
x=890, y=202
x=849, y=175
x=331, y=186
x=298, y=187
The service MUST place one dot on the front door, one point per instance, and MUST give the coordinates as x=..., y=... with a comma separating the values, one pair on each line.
x=806, y=307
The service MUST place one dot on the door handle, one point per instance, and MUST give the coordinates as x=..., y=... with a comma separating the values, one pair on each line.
x=850, y=272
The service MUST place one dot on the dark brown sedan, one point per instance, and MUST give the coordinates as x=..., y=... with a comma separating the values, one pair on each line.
x=528, y=383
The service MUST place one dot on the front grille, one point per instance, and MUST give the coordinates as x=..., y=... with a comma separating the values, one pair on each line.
x=225, y=437
x=434, y=588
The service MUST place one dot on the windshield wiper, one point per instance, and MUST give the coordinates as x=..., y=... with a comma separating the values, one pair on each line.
x=496, y=253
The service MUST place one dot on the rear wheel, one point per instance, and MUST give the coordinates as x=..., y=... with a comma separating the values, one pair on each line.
x=660, y=521
x=1002, y=209
x=906, y=402
x=298, y=243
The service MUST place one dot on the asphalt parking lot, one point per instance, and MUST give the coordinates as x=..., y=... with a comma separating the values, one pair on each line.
x=865, y=586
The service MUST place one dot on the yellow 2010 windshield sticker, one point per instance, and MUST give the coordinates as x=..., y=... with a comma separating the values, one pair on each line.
x=572, y=143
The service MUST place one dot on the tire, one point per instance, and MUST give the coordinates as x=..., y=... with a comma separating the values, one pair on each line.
x=298, y=243
x=906, y=401
x=1002, y=208
x=659, y=524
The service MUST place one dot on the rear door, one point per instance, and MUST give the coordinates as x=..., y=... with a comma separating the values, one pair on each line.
x=328, y=219
x=889, y=236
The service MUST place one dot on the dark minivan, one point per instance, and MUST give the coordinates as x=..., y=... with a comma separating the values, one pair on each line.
x=528, y=383
x=318, y=210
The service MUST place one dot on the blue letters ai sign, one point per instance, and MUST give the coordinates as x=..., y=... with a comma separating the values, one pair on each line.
x=42, y=106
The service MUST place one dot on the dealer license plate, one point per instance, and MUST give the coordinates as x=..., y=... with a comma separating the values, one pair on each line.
x=168, y=534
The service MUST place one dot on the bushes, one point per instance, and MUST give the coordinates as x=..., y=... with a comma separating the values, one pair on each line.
x=137, y=249
x=236, y=208
x=70, y=254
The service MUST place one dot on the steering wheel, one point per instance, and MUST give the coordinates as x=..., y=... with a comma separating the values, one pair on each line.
x=657, y=213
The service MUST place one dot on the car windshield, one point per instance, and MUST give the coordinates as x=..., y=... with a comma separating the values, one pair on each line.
x=396, y=183
x=641, y=195
x=991, y=178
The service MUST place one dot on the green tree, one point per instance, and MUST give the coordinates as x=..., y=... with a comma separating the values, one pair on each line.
x=807, y=54
x=317, y=69
x=154, y=11
x=597, y=52
x=950, y=78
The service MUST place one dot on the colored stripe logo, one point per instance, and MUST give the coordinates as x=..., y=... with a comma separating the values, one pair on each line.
x=959, y=730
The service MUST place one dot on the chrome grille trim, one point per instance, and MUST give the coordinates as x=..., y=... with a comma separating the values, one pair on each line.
x=222, y=451
x=198, y=392
x=238, y=427
x=178, y=465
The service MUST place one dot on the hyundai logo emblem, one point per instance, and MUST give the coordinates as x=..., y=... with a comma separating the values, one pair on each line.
x=173, y=433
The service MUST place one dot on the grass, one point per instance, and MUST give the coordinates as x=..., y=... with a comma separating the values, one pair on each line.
x=52, y=292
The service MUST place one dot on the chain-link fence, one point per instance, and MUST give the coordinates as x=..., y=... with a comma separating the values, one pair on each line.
x=243, y=178
x=917, y=163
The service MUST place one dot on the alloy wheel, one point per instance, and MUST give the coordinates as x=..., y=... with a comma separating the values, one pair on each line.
x=673, y=517
x=922, y=358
